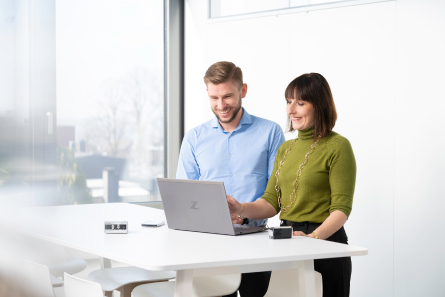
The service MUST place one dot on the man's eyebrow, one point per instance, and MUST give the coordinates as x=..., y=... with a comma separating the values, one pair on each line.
x=225, y=95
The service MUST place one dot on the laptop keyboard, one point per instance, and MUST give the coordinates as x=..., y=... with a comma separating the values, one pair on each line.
x=248, y=229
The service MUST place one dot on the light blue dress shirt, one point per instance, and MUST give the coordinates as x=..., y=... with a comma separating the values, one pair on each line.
x=243, y=159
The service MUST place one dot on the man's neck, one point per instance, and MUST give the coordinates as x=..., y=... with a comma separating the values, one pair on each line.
x=229, y=127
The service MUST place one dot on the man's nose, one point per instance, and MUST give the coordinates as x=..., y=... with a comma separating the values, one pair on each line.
x=220, y=103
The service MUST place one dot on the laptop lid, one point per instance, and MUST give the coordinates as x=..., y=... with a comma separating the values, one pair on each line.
x=194, y=205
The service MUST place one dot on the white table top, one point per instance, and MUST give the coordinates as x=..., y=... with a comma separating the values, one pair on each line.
x=82, y=227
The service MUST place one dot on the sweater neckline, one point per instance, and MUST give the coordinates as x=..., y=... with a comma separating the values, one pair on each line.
x=306, y=134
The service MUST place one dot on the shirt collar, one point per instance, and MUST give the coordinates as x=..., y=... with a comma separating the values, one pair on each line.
x=246, y=119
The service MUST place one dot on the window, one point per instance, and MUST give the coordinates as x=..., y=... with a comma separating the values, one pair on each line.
x=83, y=103
x=110, y=107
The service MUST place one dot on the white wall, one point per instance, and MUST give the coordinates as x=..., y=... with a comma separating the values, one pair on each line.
x=384, y=62
x=419, y=223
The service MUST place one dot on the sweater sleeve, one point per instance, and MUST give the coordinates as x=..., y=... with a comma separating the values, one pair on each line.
x=342, y=175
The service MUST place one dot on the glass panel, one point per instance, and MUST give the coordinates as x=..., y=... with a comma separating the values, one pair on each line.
x=81, y=96
x=109, y=73
x=27, y=100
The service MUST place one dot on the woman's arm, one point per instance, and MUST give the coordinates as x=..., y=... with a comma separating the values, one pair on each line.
x=332, y=224
x=342, y=174
x=257, y=210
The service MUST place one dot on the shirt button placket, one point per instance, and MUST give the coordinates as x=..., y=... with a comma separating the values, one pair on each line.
x=230, y=164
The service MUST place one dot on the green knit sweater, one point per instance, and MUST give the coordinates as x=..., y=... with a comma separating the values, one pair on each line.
x=326, y=183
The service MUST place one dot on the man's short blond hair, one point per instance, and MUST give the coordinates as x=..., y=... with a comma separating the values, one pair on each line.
x=223, y=71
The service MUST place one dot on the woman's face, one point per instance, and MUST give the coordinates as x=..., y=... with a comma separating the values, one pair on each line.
x=301, y=113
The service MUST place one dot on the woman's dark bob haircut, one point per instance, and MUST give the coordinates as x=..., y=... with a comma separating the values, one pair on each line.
x=313, y=88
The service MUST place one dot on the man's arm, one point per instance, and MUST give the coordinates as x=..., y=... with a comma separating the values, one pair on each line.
x=277, y=139
x=188, y=168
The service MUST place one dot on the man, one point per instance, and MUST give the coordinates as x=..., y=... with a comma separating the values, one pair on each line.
x=234, y=147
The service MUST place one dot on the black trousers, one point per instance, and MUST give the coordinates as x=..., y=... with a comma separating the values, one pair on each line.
x=336, y=272
x=253, y=284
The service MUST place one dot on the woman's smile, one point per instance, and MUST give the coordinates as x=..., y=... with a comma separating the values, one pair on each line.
x=301, y=113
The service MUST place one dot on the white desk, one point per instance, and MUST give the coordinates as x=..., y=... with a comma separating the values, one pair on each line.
x=190, y=254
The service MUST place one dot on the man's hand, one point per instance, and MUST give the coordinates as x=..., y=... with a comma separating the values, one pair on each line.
x=236, y=219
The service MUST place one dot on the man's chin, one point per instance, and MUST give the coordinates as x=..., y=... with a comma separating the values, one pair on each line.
x=225, y=121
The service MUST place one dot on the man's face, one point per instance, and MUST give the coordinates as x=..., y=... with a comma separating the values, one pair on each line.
x=225, y=100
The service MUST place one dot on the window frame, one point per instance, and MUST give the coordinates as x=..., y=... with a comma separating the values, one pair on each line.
x=174, y=37
x=275, y=12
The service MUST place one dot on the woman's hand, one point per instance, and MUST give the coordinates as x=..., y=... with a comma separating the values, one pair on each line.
x=332, y=224
x=234, y=206
x=257, y=210
x=236, y=219
x=299, y=233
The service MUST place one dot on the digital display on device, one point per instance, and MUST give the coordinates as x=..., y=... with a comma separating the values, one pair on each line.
x=116, y=227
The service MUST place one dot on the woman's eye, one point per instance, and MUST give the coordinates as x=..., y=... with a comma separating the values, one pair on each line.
x=300, y=104
x=288, y=102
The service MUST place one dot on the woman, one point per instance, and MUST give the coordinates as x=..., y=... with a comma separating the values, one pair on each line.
x=313, y=179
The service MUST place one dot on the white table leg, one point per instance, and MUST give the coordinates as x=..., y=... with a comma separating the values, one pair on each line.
x=306, y=278
x=105, y=263
x=184, y=283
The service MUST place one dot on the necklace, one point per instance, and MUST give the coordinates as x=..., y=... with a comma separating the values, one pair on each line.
x=295, y=185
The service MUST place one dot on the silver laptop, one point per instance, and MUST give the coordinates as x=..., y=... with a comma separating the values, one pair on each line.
x=200, y=206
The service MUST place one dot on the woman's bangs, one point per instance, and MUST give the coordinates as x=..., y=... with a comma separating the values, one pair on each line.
x=291, y=91
x=299, y=89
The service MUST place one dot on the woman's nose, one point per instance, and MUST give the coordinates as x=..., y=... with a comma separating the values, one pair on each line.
x=290, y=108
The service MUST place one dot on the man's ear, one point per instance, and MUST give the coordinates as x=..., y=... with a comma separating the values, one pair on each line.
x=243, y=90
